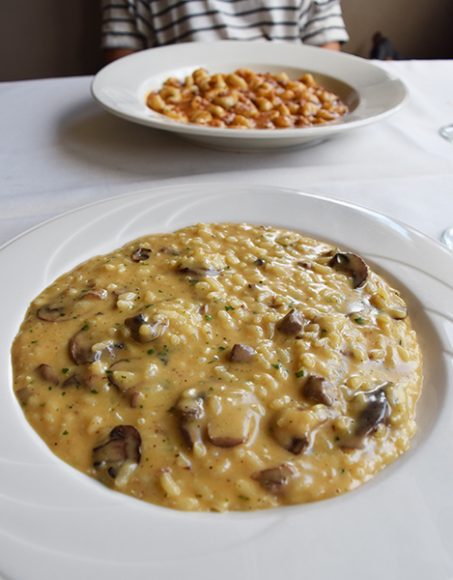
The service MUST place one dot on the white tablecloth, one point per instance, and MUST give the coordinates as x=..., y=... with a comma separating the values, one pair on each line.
x=59, y=150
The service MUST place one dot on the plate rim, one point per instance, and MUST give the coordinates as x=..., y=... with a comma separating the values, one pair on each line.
x=213, y=183
x=194, y=131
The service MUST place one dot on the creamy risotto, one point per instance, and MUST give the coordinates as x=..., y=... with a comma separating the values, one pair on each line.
x=221, y=367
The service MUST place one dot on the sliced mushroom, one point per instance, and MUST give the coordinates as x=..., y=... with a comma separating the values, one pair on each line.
x=48, y=374
x=242, y=353
x=376, y=411
x=275, y=479
x=291, y=324
x=83, y=348
x=223, y=440
x=143, y=330
x=80, y=348
x=293, y=427
x=190, y=411
x=24, y=394
x=74, y=380
x=352, y=265
x=127, y=375
x=141, y=255
x=305, y=265
x=123, y=447
x=318, y=390
x=200, y=271
x=169, y=250
x=53, y=313
x=98, y=294
x=134, y=398
x=232, y=416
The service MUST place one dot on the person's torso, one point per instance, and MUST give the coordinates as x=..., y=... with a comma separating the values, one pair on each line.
x=205, y=20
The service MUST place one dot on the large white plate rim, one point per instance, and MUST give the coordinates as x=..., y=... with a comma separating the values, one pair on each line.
x=264, y=518
x=104, y=84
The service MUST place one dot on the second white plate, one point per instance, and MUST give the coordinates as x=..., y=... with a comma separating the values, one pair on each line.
x=371, y=92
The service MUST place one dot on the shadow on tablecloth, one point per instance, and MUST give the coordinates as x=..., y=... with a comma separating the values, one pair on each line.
x=98, y=138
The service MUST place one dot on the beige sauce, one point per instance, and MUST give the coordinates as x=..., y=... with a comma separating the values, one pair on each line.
x=221, y=367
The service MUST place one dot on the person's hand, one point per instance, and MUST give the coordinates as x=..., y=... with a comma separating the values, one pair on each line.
x=331, y=45
x=111, y=54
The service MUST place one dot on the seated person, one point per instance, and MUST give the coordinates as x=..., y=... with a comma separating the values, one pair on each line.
x=131, y=25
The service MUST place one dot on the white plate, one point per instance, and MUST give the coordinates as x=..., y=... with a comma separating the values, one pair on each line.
x=57, y=523
x=371, y=92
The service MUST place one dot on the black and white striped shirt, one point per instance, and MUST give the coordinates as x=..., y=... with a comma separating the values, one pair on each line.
x=138, y=24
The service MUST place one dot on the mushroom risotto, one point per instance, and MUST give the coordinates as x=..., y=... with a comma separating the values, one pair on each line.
x=221, y=367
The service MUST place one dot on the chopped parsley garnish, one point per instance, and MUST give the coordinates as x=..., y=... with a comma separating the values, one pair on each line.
x=208, y=317
x=193, y=281
x=65, y=432
x=94, y=391
x=228, y=308
x=222, y=347
x=359, y=320
x=150, y=351
x=276, y=366
x=163, y=355
x=86, y=326
x=300, y=373
x=65, y=370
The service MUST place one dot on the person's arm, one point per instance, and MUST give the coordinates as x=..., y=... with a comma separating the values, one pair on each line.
x=111, y=54
x=331, y=45
x=323, y=25
x=126, y=28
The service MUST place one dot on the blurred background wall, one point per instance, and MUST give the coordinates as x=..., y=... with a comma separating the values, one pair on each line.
x=50, y=38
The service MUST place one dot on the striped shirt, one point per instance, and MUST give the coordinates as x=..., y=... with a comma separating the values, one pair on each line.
x=138, y=24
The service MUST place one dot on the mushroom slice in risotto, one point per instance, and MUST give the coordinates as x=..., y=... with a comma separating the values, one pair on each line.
x=352, y=265
x=121, y=449
x=318, y=390
x=190, y=412
x=54, y=313
x=233, y=416
x=140, y=254
x=242, y=353
x=48, y=374
x=291, y=324
x=145, y=330
x=293, y=427
x=275, y=479
x=200, y=271
x=374, y=410
x=129, y=376
x=83, y=347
